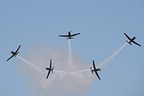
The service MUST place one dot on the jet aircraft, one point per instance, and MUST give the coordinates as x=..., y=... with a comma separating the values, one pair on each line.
x=50, y=69
x=131, y=40
x=14, y=54
x=95, y=70
x=69, y=36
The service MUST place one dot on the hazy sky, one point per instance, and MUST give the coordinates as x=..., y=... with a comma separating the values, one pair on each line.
x=34, y=23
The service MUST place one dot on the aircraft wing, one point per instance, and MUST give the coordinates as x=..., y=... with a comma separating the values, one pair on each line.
x=75, y=34
x=63, y=35
x=127, y=36
x=18, y=48
x=94, y=65
x=97, y=75
x=136, y=43
x=48, y=74
x=10, y=58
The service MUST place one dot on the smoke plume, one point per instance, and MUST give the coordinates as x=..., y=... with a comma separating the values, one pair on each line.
x=66, y=80
x=71, y=76
x=108, y=59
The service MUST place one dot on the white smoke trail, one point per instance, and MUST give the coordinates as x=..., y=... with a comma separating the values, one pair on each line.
x=27, y=62
x=36, y=68
x=80, y=71
x=104, y=62
x=65, y=80
x=70, y=52
x=61, y=82
x=108, y=59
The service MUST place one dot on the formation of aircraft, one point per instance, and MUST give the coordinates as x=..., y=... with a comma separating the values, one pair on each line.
x=14, y=54
x=69, y=36
x=50, y=69
x=95, y=70
x=131, y=40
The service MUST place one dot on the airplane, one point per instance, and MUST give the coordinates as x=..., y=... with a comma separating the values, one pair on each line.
x=14, y=54
x=70, y=36
x=95, y=70
x=131, y=40
x=50, y=69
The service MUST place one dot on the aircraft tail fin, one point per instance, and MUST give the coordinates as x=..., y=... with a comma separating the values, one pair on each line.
x=16, y=54
x=47, y=68
x=98, y=69
x=52, y=69
x=91, y=70
x=12, y=52
x=128, y=42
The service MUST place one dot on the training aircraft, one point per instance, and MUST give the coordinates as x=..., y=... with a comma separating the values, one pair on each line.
x=95, y=70
x=50, y=69
x=70, y=36
x=14, y=54
x=131, y=40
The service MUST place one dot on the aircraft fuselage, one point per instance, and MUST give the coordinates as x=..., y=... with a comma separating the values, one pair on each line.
x=69, y=36
x=14, y=53
x=131, y=40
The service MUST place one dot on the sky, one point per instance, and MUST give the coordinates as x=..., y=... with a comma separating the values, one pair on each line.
x=37, y=24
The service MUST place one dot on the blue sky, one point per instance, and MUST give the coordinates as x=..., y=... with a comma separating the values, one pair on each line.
x=101, y=24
